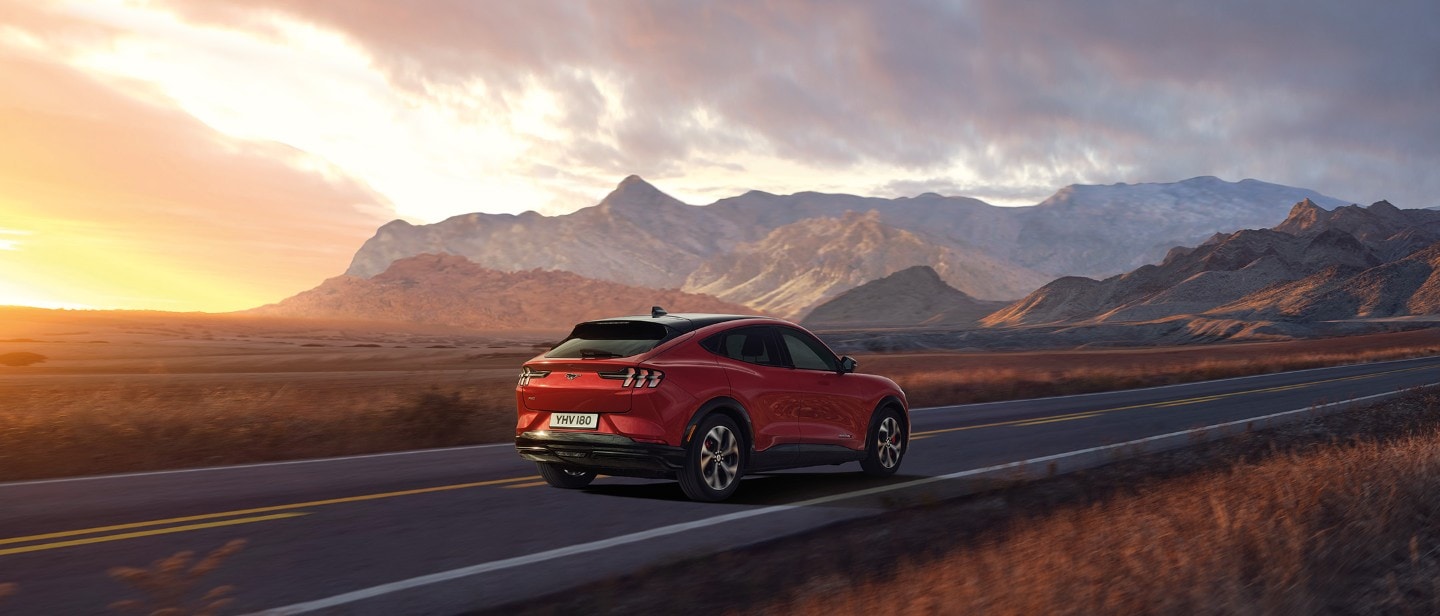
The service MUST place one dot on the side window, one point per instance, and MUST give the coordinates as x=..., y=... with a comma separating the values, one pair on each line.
x=753, y=345
x=807, y=352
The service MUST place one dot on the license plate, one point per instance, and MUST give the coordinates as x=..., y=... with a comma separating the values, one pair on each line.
x=577, y=421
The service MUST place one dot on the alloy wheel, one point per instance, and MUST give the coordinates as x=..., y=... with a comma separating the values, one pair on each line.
x=719, y=457
x=888, y=442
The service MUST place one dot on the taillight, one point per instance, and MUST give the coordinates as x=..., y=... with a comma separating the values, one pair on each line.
x=527, y=373
x=636, y=377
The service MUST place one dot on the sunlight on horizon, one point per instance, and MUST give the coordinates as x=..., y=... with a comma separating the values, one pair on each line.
x=10, y=295
x=64, y=264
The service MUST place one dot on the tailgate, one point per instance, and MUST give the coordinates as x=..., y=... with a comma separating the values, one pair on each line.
x=587, y=387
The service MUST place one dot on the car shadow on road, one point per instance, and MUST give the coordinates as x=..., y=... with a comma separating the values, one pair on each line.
x=773, y=489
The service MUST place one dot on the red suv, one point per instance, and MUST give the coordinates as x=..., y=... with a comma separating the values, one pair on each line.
x=704, y=399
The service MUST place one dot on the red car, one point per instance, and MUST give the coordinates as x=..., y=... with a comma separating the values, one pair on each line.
x=704, y=399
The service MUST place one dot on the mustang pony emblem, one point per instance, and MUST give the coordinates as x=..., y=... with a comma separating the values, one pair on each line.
x=570, y=376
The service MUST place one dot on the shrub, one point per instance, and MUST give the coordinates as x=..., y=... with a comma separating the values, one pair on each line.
x=436, y=419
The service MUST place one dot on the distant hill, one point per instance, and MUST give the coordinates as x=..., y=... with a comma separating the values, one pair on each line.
x=1405, y=287
x=1092, y=230
x=451, y=290
x=638, y=235
x=911, y=297
x=800, y=265
x=1317, y=264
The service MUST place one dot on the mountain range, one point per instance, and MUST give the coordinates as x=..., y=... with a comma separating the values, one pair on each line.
x=452, y=290
x=801, y=264
x=1351, y=262
x=786, y=254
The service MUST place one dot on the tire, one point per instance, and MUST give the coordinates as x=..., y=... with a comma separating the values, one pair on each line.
x=561, y=477
x=885, y=444
x=713, y=460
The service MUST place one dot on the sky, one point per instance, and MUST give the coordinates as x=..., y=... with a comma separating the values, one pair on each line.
x=221, y=154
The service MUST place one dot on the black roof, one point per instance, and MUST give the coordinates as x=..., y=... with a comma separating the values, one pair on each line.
x=683, y=322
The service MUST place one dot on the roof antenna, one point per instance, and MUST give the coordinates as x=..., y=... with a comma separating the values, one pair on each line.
x=657, y=312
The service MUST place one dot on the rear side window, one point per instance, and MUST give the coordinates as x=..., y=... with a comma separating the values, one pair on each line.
x=601, y=339
x=752, y=345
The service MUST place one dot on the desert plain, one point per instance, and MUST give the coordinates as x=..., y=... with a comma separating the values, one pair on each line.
x=85, y=392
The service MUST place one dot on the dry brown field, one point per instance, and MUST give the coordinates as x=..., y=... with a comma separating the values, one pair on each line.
x=136, y=391
x=127, y=391
x=962, y=377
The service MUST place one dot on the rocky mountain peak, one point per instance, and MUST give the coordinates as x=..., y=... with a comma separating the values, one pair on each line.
x=1383, y=206
x=919, y=276
x=635, y=181
x=396, y=224
x=1369, y=224
x=634, y=191
x=1304, y=216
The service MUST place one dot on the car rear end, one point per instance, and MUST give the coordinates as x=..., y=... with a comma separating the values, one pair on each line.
x=596, y=401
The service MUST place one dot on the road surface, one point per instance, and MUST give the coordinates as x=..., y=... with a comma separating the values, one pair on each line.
x=446, y=531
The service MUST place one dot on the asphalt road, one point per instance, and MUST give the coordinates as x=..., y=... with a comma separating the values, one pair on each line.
x=446, y=531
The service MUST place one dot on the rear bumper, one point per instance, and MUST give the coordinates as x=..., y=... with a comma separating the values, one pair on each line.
x=611, y=454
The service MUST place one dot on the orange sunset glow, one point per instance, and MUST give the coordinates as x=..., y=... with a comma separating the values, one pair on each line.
x=113, y=197
x=216, y=155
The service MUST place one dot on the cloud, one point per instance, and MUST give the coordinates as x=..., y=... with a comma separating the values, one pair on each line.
x=1021, y=96
x=126, y=201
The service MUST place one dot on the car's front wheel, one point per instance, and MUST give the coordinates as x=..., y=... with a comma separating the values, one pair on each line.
x=713, y=461
x=885, y=445
x=562, y=477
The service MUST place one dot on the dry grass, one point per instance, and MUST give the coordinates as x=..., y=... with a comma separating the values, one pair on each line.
x=172, y=391
x=169, y=391
x=139, y=426
x=936, y=379
x=1346, y=529
x=1335, y=515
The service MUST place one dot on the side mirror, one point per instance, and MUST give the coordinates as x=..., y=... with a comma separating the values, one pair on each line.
x=847, y=364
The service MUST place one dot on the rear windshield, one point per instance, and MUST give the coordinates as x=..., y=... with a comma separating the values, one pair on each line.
x=601, y=339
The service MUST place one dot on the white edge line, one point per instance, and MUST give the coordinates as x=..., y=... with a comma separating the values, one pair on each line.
x=488, y=445
x=202, y=469
x=582, y=548
x=1154, y=387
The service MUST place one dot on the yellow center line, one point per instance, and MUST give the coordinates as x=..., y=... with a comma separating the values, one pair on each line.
x=1195, y=400
x=147, y=533
x=1033, y=421
x=1037, y=422
x=1012, y=422
x=526, y=485
x=240, y=512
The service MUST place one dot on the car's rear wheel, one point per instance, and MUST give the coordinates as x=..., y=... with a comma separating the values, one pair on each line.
x=713, y=461
x=885, y=445
x=561, y=477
